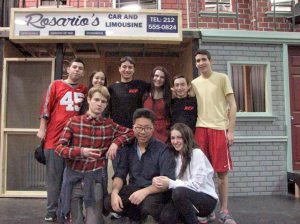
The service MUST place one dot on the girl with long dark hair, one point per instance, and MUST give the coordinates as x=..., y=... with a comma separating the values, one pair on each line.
x=193, y=191
x=158, y=99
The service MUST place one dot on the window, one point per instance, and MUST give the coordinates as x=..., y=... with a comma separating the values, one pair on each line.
x=144, y=4
x=250, y=86
x=281, y=5
x=223, y=5
x=53, y=2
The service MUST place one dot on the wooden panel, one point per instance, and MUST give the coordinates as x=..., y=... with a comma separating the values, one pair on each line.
x=24, y=173
x=25, y=80
x=25, y=90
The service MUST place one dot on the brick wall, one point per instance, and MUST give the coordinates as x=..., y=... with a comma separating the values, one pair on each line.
x=251, y=16
x=260, y=166
x=74, y=3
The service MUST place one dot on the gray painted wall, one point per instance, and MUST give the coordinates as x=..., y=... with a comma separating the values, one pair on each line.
x=259, y=166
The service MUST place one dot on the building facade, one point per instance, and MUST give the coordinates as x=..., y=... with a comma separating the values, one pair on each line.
x=255, y=42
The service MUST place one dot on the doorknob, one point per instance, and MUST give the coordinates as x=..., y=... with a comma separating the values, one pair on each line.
x=292, y=117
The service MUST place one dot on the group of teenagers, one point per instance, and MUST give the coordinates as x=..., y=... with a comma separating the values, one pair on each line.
x=165, y=141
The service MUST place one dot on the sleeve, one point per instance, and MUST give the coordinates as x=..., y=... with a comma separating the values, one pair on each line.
x=227, y=86
x=198, y=173
x=121, y=134
x=122, y=168
x=167, y=163
x=64, y=148
x=48, y=101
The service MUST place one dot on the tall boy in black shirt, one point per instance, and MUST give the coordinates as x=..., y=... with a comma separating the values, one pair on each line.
x=126, y=96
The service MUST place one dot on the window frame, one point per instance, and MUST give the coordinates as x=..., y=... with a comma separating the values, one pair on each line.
x=220, y=11
x=55, y=1
x=158, y=5
x=256, y=116
x=280, y=5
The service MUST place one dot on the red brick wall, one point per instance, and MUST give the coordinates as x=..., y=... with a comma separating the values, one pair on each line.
x=250, y=16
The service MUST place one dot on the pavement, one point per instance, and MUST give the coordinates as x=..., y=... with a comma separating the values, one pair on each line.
x=246, y=210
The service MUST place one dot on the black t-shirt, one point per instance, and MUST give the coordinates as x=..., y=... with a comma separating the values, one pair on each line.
x=125, y=98
x=184, y=110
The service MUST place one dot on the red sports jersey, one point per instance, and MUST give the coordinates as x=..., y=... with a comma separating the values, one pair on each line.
x=61, y=102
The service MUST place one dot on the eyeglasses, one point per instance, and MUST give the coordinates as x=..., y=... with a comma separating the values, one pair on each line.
x=145, y=129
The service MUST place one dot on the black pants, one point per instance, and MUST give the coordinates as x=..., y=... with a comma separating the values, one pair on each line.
x=152, y=204
x=184, y=204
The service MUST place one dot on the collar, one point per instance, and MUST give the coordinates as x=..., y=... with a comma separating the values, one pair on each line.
x=147, y=147
x=91, y=118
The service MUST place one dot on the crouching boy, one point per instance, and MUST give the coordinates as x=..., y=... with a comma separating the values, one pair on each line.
x=85, y=142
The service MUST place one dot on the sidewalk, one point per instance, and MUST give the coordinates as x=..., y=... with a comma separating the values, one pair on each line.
x=246, y=210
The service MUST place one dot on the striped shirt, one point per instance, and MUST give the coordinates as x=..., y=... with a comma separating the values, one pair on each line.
x=88, y=132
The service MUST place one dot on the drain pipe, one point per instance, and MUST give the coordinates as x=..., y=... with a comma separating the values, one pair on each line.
x=188, y=13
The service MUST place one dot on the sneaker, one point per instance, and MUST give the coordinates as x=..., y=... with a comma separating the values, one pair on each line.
x=114, y=215
x=211, y=217
x=50, y=217
x=202, y=220
x=225, y=218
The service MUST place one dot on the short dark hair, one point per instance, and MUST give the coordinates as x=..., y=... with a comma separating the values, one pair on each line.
x=143, y=112
x=180, y=76
x=76, y=60
x=127, y=58
x=203, y=52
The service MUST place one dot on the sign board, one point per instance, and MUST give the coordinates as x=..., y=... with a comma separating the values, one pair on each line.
x=97, y=25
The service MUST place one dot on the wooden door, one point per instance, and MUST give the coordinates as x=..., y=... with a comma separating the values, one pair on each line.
x=294, y=80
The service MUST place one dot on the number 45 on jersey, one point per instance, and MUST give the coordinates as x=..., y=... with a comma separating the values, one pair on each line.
x=71, y=100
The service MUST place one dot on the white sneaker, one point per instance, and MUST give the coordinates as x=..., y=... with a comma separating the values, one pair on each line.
x=114, y=215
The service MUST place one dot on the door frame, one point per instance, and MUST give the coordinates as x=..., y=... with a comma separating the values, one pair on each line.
x=291, y=156
x=5, y=131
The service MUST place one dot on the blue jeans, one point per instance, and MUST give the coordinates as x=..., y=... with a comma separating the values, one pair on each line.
x=54, y=171
x=93, y=213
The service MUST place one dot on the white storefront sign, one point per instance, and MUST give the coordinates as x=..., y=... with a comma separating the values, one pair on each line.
x=72, y=24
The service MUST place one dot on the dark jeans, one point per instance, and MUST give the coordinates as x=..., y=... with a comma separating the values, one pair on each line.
x=152, y=204
x=54, y=169
x=184, y=206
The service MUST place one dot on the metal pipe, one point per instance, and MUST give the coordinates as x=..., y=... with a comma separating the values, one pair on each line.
x=256, y=15
x=237, y=15
x=197, y=12
x=293, y=18
x=274, y=14
x=218, y=16
x=59, y=61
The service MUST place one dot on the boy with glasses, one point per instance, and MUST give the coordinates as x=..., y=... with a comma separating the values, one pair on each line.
x=142, y=160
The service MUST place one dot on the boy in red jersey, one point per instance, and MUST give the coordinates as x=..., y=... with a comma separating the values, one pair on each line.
x=62, y=101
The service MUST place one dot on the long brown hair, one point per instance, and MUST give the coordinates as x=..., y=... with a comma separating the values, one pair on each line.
x=167, y=95
x=189, y=144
